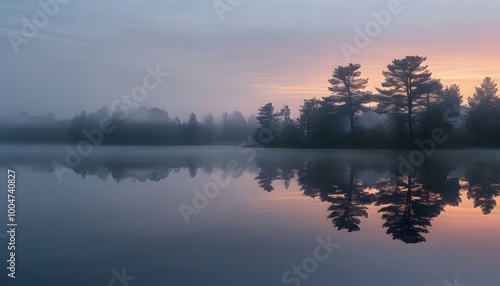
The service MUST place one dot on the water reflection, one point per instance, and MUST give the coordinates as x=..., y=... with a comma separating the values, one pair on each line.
x=483, y=185
x=338, y=185
x=408, y=203
x=349, y=182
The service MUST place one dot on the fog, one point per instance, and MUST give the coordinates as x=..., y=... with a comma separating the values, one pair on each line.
x=90, y=53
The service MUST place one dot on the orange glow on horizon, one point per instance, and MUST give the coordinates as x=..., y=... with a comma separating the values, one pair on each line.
x=451, y=68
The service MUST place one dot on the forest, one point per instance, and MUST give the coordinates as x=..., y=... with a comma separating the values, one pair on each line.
x=415, y=108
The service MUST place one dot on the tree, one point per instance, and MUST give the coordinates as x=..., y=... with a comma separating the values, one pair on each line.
x=308, y=117
x=319, y=123
x=393, y=108
x=405, y=79
x=192, y=121
x=267, y=117
x=441, y=112
x=285, y=114
x=158, y=114
x=269, y=122
x=290, y=135
x=484, y=117
x=77, y=125
x=485, y=95
x=452, y=96
x=209, y=130
x=431, y=91
x=192, y=128
x=348, y=92
x=234, y=127
x=208, y=121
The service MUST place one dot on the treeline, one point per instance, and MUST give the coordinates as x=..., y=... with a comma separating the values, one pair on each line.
x=419, y=110
x=143, y=126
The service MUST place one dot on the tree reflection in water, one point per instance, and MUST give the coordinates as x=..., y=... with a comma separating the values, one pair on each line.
x=407, y=204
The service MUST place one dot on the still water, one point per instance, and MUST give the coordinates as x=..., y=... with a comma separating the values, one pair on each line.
x=138, y=216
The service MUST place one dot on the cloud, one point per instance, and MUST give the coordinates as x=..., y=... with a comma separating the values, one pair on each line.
x=280, y=51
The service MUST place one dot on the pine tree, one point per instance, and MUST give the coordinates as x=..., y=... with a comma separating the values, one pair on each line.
x=486, y=95
x=269, y=123
x=348, y=92
x=405, y=82
x=484, y=117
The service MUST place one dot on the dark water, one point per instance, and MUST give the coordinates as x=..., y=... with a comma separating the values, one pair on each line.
x=220, y=216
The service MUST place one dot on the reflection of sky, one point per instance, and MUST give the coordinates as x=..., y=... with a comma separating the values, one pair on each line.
x=246, y=236
x=280, y=51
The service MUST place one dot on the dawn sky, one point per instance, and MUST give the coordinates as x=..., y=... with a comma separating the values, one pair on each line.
x=283, y=51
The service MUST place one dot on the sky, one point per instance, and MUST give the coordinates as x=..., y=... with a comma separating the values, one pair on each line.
x=87, y=54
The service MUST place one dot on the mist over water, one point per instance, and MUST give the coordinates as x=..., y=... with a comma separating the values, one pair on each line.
x=120, y=208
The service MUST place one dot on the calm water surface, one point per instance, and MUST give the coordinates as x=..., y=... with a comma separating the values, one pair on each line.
x=141, y=210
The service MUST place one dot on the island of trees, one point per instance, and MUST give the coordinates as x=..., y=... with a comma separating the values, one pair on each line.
x=409, y=107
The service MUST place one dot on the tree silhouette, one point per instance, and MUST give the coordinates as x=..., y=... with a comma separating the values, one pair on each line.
x=209, y=131
x=193, y=130
x=269, y=121
x=274, y=169
x=349, y=202
x=403, y=214
x=452, y=96
x=485, y=95
x=337, y=184
x=405, y=82
x=77, y=125
x=234, y=127
x=441, y=112
x=438, y=189
x=484, y=117
x=431, y=91
x=320, y=124
x=348, y=92
x=289, y=130
x=483, y=185
x=268, y=172
x=412, y=103
x=309, y=117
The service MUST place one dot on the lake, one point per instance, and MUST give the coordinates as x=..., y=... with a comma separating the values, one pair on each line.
x=151, y=216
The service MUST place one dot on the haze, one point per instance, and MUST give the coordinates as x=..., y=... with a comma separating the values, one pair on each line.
x=91, y=52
